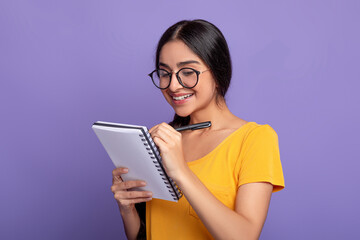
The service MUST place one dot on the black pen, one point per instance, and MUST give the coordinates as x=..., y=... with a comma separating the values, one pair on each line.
x=194, y=126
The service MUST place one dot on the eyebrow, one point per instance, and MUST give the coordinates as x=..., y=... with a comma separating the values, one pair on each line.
x=180, y=64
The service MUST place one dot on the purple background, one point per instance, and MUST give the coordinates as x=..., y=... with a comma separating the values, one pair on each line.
x=66, y=64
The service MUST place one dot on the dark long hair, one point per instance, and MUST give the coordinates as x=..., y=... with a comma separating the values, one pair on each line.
x=206, y=41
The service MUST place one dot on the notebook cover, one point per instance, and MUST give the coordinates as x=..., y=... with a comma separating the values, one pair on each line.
x=131, y=146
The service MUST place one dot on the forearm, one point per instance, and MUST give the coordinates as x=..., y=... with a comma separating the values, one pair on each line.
x=220, y=221
x=131, y=221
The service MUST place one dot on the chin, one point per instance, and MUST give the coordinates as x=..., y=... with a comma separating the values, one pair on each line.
x=182, y=113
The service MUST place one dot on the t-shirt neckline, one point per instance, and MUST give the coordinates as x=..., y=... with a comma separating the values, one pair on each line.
x=220, y=144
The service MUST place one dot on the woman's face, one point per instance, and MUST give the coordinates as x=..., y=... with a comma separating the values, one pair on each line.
x=175, y=55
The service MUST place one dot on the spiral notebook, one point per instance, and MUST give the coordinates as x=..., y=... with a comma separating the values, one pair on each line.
x=131, y=146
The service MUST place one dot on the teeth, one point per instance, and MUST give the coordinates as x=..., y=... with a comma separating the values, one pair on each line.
x=182, y=97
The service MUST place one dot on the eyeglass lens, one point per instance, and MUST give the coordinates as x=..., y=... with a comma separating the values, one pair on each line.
x=187, y=76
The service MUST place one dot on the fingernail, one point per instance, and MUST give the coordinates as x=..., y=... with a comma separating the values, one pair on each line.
x=149, y=194
x=143, y=183
x=125, y=169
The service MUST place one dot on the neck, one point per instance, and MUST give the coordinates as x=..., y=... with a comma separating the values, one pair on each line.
x=216, y=113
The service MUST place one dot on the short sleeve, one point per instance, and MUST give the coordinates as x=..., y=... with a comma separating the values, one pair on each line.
x=260, y=158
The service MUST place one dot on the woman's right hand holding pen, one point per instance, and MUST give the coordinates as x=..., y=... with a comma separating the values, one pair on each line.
x=123, y=193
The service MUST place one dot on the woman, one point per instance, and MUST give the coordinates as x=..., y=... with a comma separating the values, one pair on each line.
x=227, y=172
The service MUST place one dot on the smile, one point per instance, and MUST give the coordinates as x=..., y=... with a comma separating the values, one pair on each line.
x=182, y=97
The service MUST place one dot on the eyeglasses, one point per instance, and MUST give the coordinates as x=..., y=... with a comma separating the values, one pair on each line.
x=187, y=77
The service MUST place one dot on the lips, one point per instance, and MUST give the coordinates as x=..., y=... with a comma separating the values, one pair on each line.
x=181, y=98
x=178, y=98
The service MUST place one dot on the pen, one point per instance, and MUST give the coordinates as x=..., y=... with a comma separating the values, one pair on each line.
x=194, y=126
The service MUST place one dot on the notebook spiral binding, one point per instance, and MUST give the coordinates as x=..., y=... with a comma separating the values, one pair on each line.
x=170, y=183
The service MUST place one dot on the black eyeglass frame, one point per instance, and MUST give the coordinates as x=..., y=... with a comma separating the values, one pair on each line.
x=177, y=77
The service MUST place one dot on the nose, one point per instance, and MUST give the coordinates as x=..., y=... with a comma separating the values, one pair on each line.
x=174, y=83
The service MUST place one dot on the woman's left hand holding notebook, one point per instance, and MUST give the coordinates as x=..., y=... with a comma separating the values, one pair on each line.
x=123, y=193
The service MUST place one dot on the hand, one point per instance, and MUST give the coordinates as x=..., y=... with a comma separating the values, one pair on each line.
x=169, y=142
x=123, y=194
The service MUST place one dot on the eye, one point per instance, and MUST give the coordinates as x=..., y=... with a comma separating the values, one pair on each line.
x=163, y=73
x=187, y=72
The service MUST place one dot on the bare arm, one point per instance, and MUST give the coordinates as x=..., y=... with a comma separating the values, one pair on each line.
x=131, y=222
x=246, y=222
x=126, y=200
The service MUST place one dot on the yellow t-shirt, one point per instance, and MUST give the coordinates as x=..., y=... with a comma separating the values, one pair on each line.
x=250, y=154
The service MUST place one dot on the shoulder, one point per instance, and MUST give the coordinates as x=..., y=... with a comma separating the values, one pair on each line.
x=260, y=131
x=254, y=135
x=259, y=139
x=250, y=127
x=253, y=129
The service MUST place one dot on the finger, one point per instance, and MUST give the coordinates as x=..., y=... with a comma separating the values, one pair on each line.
x=163, y=125
x=116, y=173
x=127, y=185
x=116, y=179
x=119, y=171
x=125, y=202
x=160, y=143
x=168, y=127
x=132, y=194
x=164, y=134
x=153, y=128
